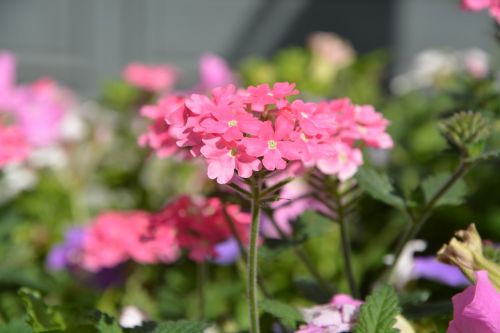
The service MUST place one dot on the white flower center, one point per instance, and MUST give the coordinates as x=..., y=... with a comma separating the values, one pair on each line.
x=232, y=123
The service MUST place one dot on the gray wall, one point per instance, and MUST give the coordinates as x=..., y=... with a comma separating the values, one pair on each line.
x=82, y=42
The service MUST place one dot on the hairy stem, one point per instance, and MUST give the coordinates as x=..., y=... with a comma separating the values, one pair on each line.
x=346, y=244
x=252, y=263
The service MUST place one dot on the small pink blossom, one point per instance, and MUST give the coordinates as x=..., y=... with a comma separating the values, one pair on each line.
x=155, y=78
x=160, y=135
x=274, y=145
x=13, y=145
x=225, y=157
x=336, y=317
x=477, y=308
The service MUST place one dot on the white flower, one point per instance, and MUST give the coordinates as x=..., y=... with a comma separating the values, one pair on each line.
x=131, y=316
x=402, y=272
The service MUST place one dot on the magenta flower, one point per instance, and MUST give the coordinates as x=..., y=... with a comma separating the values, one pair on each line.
x=155, y=78
x=274, y=145
x=477, y=308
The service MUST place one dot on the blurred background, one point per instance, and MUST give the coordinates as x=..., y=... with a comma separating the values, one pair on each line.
x=81, y=43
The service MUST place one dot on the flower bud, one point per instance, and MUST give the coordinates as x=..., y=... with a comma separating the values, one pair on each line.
x=466, y=252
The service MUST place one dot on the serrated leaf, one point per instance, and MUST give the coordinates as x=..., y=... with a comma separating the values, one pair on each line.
x=288, y=315
x=378, y=313
x=454, y=196
x=181, y=326
x=41, y=317
x=379, y=187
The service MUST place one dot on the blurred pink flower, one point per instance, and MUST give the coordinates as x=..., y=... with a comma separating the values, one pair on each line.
x=336, y=317
x=477, y=5
x=155, y=78
x=214, y=72
x=115, y=237
x=200, y=225
x=40, y=109
x=13, y=145
x=477, y=308
x=7, y=80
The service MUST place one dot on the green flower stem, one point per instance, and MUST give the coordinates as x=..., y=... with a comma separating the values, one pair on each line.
x=252, y=263
x=419, y=220
x=243, y=250
x=346, y=244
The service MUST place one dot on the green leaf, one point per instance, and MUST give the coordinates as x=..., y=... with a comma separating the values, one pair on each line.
x=379, y=187
x=311, y=224
x=287, y=314
x=378, y=313
x=16, y=326
x=41, y=317
x=454, y=196
x=181, y=326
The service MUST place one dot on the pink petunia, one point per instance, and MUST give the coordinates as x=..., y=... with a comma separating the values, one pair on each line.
x=477, y=308
x=274, y=144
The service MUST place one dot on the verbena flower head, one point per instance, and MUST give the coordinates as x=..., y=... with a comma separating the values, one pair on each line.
x=243, y=131
x=201, y=226
x=477, y=308
x=115, y=237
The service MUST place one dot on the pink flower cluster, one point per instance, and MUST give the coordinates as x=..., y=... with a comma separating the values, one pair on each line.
x=154, y=78
x=196, y=225
x=34, y=112
x=115, y=237
x=200, y=225
x=477, y=5
x=249, y=129
x=13, y=145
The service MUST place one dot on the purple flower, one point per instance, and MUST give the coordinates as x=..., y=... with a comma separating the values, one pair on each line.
x=431, y=269
x=68, y=253
x=227, y=251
